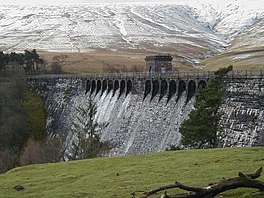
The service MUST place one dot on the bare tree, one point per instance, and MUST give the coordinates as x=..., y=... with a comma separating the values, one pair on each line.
x=60, y=58
x=50, y=150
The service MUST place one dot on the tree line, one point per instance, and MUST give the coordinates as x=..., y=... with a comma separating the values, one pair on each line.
x=30, y=61
x=23, y=138
x=22, y=115
x=82, y=142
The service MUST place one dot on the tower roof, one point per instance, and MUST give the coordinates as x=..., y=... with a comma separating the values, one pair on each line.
x=159, y=57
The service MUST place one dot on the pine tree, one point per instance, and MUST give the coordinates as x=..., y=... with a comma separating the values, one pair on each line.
x=200, y=130
x=87, y=142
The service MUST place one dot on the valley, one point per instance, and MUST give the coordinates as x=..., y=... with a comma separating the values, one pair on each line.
x=197, y=34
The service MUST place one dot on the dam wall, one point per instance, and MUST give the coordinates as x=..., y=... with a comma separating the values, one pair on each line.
x=242, y=122
x=140, y=118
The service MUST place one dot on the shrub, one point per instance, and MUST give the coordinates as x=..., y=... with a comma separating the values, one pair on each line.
x=36, y=152
x=30, y=153
x=8, y=159
x=173, y=148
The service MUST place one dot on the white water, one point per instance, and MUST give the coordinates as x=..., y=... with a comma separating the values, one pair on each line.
x=133, y=125
x=138, y=126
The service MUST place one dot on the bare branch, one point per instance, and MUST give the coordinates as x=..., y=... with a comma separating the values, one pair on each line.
x=243, y=180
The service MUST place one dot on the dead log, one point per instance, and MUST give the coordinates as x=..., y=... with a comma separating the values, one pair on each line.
x=243, y=180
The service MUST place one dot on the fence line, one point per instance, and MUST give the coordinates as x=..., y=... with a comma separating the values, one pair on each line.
x=174, y=74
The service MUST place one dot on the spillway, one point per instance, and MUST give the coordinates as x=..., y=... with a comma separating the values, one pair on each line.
x=134, y=123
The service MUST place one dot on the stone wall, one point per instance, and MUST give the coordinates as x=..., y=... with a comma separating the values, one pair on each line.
x=134, y=125
x=242, y=123
x=142, y=126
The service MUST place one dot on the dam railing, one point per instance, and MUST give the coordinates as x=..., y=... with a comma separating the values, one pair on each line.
x=174, y=74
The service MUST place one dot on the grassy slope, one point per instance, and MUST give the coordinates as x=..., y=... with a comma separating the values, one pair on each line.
x=253, y=60
x=105, y=61
x=97, y=177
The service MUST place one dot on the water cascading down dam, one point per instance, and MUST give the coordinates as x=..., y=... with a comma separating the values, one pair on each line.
x=142, y=112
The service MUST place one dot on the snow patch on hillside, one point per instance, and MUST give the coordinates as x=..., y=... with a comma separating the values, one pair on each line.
x=206, y=24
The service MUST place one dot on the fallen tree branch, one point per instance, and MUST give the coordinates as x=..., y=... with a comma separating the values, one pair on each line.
x=175, y=185
x=243, y=180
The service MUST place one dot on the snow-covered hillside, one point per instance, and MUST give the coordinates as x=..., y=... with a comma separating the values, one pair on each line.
x=188, y=28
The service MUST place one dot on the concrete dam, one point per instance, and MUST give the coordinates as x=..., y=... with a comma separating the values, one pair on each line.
x=142, y=112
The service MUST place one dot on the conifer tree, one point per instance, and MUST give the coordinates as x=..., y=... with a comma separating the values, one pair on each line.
x=86, y=140
x=200, y=130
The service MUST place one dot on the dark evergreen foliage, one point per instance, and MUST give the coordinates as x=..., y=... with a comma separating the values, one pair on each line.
x=30, y=61
x=200, y=130
x=18, y=120
x=86, y=139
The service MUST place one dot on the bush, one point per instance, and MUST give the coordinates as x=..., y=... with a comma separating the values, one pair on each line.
x=35, y=152
x=260, y=141
x=30, y=153
x=53, y=149
x=8, y=159
x=173, y=148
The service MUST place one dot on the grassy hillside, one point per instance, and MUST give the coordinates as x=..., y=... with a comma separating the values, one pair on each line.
x=241, y=59
x=134, y=60
x=98, y=177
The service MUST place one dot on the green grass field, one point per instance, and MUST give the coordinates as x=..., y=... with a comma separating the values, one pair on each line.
x=98, y=177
